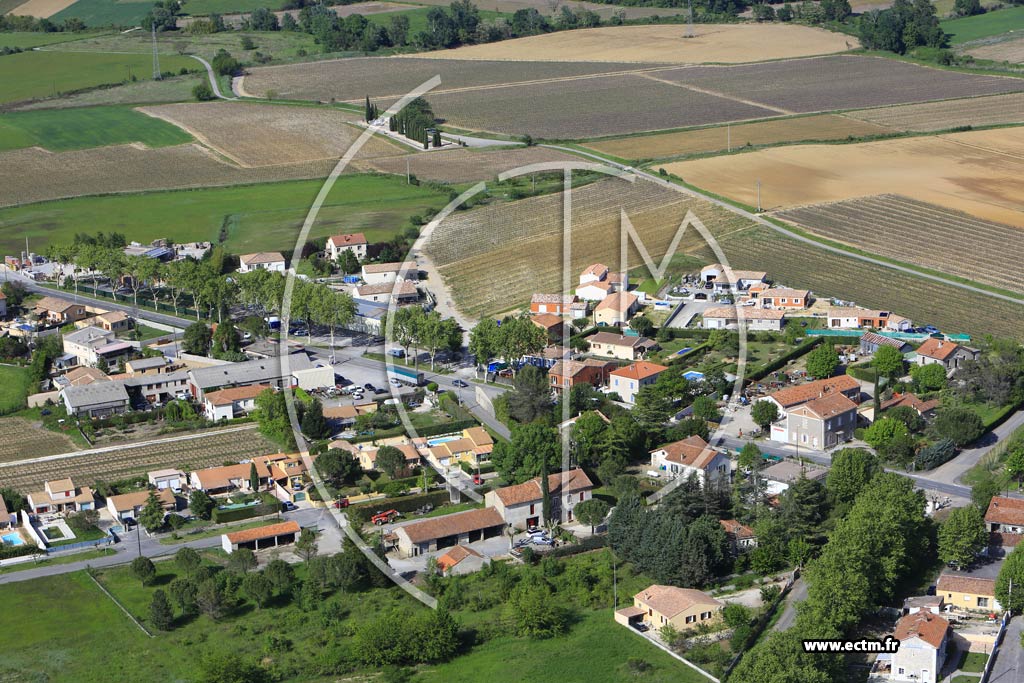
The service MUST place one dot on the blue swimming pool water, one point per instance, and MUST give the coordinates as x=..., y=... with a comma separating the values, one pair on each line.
x=693, y=376
x=443, y=439
x=13, y=538
x=683, y=352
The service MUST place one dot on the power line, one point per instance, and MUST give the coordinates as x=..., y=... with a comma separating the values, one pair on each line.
x=156, y=57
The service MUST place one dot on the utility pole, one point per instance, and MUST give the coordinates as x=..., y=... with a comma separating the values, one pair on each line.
x=689, y=25
x=728, y=136
x=408, y=179
x=156, y=57
x=759, y=195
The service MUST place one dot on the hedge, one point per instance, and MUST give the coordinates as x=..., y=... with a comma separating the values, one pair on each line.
x=9, y=551
x=782, y=360
x=939, y=453
x=594, y=542
x=447, y=427
x=221, y=516
x=483, y=469
x=862, y=371
x=363, y=513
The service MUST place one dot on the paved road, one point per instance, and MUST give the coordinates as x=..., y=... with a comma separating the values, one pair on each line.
x=788, y=617
x=213, y=78
x=688, y=312
x=1009, y=664
x=954, y=469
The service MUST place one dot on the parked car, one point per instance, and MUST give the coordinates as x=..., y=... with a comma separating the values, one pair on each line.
x=341, y=503
x=931, y=329
x=378, y=390
x=385, y=517
x=395, y=382
x=477, y=480
x=641, y=626
x=368, y=386
x=288, y=506
x=542, y=540
x=460, y=383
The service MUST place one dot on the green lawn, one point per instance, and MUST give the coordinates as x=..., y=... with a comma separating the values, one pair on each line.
x=994, y=23
x=206, y=7
x=33, y=75
x=105, y=12
x=15, y=385
x=60, y=559
x=59, y=130
x=91, y=534
x=29, y=39
x=973, y=662
x=146, y=332
x=256, y=217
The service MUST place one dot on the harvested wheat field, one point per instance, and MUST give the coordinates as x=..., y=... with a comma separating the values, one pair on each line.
x=270, y=134
x=704, y=140
x=547, y=7
x=1002, y=51
x=977, y=172
x=35, y=175
x=41, y=9
x=463, y=165
x=927, y=116
x=493, y=258
x=929, y=236
x=712, y=43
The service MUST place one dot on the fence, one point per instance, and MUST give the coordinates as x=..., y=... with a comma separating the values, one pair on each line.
x=995, y=649
x=106, y=540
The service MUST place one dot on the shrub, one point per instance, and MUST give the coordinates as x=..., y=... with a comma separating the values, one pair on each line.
x=203, y=92
x=936, y=454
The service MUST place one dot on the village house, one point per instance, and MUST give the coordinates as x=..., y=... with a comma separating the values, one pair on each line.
x=56, y=311
x=158, y=388
x=779, y=297
x=404, y=292
x=922, y=652
x=949, y=355
x=89, y=344
x=461, y=560
x=855, y=317
x=295, y=370
x=354, y=242
x=682, y=608
x=447, y=531
x=227, y=404
x=111, y=321
x=565, y=374
x=61, y=496
x=169, y=478
x=289, y=478
x=723, y=279
x=741, y=537
x=553, y=325
x=691, y=455
x=1005, y=515
x=473, y=447
x=597, y=282
x=870, y=342
x=367, y=455
x=790, y=397
x=557, y=304
x=616, y=309
x=819, y=423
x=522, y=505
x=80, y=377
x=132, y=504
x=962, y=591
x=925, y=409
x=265, y=260
x=343, y=417
x=379, y=273
x=628, y=380
x=728, y=317
x=217, y=481
x=148, y=366
x=621, y=346
x=99, y=399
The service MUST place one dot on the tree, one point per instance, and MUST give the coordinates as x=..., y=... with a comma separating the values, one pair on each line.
x=642, y=325
x=272, y=415
x=531, y=395
x=1015, y=464
x=188, y=560
x=390, y=460
x=962, y=536
x=588, y=435
x=201, y=504
x=306, y=545
x=884, y=431
x=152, y=515
x=931, y=377
x=764, y=413
x=281, y=576
x=224, y=64
x=967, y=8
x=536, y=612
x=225, y=340
x=822, y=361
x=230, y=668
x=196, y=339
x=242, y=561
x=257, y=588
x=184, y=590
x=338, y=466
x=160, y=613
x=1012, y=574
x=143, y=569
x=314, y=425
x=591, y=512
x=705, y=408
x=960, y=425
x=852, y=469
x=749, y=457
x=780, y=658
x=522, y=457
x=210, y=599
x=888, y=362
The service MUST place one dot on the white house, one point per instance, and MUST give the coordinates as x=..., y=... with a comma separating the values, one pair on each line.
x=692, y=455
x=727, y=317
x=922, y=650
x=263, y=260
x=89, y=343
x=723, y=279
x=132, y=504
x=949, y=355
x=167, y=479
x=628, y=380
x=404, y=292
x=354, y=242
x=98, y=399
x=521, y=506
x=379, y=273
x=227, y=404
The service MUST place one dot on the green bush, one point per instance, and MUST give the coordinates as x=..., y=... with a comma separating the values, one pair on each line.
x=236, y=514
x=936, y=454
x=9, y=551
x=363, y=513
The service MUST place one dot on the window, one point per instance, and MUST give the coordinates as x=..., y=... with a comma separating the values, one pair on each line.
x=690, y=620
x=581, y=496
x=532, y=505
x=901, y=671
x=982, y=602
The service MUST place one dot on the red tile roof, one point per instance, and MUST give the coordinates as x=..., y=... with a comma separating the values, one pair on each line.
x=931, y=628
x=530, y=491
x=619, y=301
x=228, y=396
x=692, y=451
x=639, y=370
x=827, y=406
x=961, y=583
x=269, y=531
x=939, y=349
x=454, y=556
x=352, y=239
x=792, y=396
x=734, y=528
x=1005, y=511
x=670, y=600
x=451, y=525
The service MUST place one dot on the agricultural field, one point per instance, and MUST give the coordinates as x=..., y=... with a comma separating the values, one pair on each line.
x=839, y=82
x=522, y=240
x=705, y=140
x=711, y=43
x=929, y=236
x=463, y=165
x=253, y=217
x=968, y=29
x=30, y=39
x=42, y=9
x=235, y=20
x=68, y=129
x=999, y=51
x=15, y=385
x=976, y=172
x=210, y=449
x=797, y=264
x=929, y=116
x=37, y=75
x=273, y=134
x=104, y=12
x=547, y=8
x=175, y=89
x=21, y=438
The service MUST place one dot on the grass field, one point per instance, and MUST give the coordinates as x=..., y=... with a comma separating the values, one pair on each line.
x=105, y=12
x=974, y=172
x=175, y=89
x=258, y=217
x=722, y=43
x=704, y=140
x=29, y=39
x=66, y=129
x=928, y=116
x=205, y=7
x=15, y=385
x=23, y=436
x=33, y=75
x=42, y=9
x=967, y=29
x=547, y=8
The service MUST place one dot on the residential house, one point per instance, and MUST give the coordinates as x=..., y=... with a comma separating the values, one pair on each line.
x=547, y=357
x=169, y=478
x=404, y=292
x=565, y=374
x=595, y=291
x=99, y=399
x=261, y=538
x=461, y=560
x=367, y=455
x=56, y=311
x=922, y=652
x=369, y=317
x=80, y=377
x=723, y=279
x=683, y=608
x=342, y=417
x=227, y=478
x=870, y=342
x=61, y=496
x=289, y=477
x=148, y=366
x=728, y=317
x=820, y=423
x=227, y=404
x=89, y=344
x=132, y=504
x=964, y=591
x=616, y=309
x=265, y=260
x=788, y=471
x=158, y=388
x=1005, y=515
x=447, y=531
x=855, y=318
x=557, y=304
x=628, y=380
x=949, y=355
x=354, y=242
x=691, y=456
x=780, y=297
x=597, y=272
x=272, y=371
x=741, y=537
x=802, y=393
x=578, y=310
x=474, y=447
x=113, y=321
x=379, y=273
x=621, y=346
x=522, y=505
x=923, y=603
x=925, y=409
x=553, y=325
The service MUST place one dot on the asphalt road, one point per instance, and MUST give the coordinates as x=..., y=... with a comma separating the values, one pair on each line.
x=1009, y=664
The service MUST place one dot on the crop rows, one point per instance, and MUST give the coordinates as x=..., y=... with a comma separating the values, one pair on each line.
x=462, y=165
x=20, y=439
x=85, y=469
x=831, y=275
x=923, y=234
x=928, y=116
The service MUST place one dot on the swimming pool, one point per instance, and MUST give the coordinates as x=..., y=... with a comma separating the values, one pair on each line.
x=13, y=538
x=693, y=376
x=683, y=352
x=443, y=439
x=237, y=506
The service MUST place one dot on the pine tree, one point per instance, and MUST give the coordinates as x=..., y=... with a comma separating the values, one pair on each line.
x=254, y=479
x=368, y=110
x=160, y=612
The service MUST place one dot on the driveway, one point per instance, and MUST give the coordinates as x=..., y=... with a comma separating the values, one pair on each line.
x=688, y=313
x=797, y=594
x=1009, y=664
x=951, y=472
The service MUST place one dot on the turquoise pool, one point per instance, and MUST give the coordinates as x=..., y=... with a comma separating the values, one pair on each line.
x=443, y=439
x=13, y=538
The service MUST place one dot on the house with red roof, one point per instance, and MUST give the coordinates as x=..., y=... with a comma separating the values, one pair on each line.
x=628, y=380
x=522, y=505
x=944, y=352
x=820, y=423
x=354, y=242
x=922, y=652
x=691, y=455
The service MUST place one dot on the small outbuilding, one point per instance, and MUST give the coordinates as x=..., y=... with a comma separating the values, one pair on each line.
x=262, y=537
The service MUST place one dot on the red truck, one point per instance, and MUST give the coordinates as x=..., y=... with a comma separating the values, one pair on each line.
x=341, y=503
x=385, y=517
